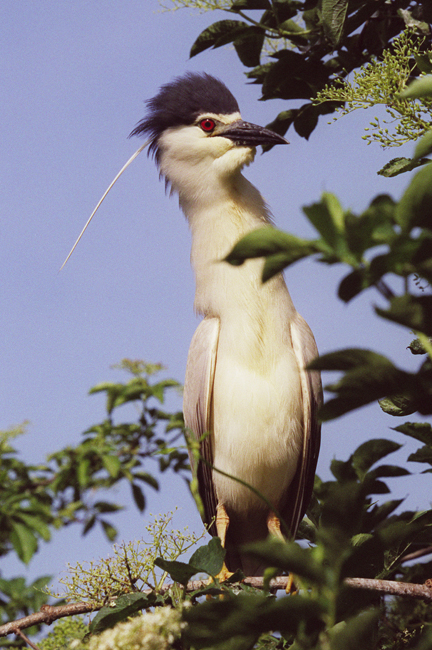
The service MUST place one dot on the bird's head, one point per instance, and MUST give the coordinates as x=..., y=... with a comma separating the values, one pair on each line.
x=198, y=138
x=197, y=133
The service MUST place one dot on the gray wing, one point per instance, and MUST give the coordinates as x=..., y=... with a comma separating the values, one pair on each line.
x=300, y=490
x=197, y=408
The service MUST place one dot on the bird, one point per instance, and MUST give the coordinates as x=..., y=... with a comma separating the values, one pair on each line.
x=250, y=404
x=249, y=401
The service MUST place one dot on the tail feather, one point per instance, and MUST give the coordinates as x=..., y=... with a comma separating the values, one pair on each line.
x=241, y=532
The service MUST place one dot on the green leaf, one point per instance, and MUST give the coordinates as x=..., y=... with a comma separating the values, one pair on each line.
x=421, y=87
x=371, y=452
x=209, y=558
x=399, y=529
x=112, y=464
x=147, y=478
x=415, y=347
x=328, y=218
x=112, y=390
x=368, y=377
x=293, y=77
x=105, y=506
x=125, y=606
x=238, y=5
x=343, y=471
x=353, y=284
x=179, y=571
x=138, y=496
x=361, y=538
x=334, y=15
x=398, y=405
x=414, y=312
x=425, y=640
x=109, y=530
x=291, y=27
x=83, y=472
x=249, y=45
x=288, y=556
x=89, y=525
x=422, y=455
x=388, y=471
x=305, y=120
x=23, y=541
x=415, y=207
x=356, y=633
x=423, y=62
x=282, y=122
x=306, y=117
x=250, y=615
x=342, y=512
x=423, y=147
x=264, y=242
x=378, y=513
x=275, y=264
x=36, y=523
x=347, y=359
x=418, y=430
x=218, y=34
x=366, y=558
x=400, y=165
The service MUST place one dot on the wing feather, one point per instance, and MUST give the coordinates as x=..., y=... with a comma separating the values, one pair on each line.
x=198, y=408
x=300, y=490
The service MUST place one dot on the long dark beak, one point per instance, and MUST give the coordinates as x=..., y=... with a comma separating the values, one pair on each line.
x=250, y=135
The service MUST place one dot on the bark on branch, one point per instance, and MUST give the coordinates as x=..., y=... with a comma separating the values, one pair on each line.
x=48, y=614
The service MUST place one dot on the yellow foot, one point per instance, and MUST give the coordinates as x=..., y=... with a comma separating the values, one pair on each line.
x=291, y=588
x=223, y=575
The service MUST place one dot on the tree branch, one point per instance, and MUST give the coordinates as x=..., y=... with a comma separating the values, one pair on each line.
x=48, y=614
x=25, y=638
x=427, y=550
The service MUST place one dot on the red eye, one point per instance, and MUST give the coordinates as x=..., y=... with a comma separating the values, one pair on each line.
x=207, y=125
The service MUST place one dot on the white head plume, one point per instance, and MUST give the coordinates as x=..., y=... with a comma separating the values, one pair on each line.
x=131, y=159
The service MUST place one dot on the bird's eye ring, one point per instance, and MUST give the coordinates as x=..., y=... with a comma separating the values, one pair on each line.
x=207, y=125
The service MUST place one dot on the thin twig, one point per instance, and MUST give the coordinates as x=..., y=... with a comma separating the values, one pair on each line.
x=420, y=553
x=25, y=638
x=384, y=289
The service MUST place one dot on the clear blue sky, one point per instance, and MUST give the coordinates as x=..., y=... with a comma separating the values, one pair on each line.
x=74, y=76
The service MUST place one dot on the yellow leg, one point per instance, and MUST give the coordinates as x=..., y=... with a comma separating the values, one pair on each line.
x=222, y=523
x=274, y=528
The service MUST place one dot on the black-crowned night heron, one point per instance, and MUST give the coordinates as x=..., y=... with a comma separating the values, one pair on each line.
x=246, y=385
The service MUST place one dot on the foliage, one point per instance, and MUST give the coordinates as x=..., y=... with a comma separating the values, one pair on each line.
x=17, y=598
x=132, y=568
x=201, y=5
x=295, y=49
x=114, y=451
x=387, y=239
x=36, y=499
x=25, y=506
x=347, y=533
x=67, y=634
x=381, y=82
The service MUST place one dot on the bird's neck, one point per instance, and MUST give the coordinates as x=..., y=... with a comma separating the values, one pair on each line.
x=218, y=218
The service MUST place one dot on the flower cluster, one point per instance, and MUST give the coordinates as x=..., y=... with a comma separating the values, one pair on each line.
x=157, y=630
x=380, y=83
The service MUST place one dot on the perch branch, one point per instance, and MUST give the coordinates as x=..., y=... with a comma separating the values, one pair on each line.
x=48, y=614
